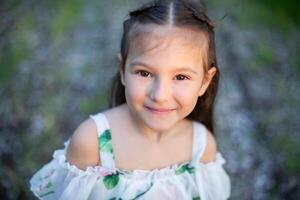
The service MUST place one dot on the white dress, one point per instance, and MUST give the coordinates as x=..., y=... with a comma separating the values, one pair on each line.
x=185, y=181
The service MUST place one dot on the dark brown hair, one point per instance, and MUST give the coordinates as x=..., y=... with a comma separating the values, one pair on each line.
x=190, y=14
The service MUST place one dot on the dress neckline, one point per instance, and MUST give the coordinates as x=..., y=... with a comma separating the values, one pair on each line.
x=165, y=169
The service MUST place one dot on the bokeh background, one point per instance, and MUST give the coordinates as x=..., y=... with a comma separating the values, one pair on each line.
x=57, y=58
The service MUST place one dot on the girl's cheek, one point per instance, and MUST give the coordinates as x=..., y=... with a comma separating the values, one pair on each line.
x=137, y=87
x=185, y=91
x=185, y=86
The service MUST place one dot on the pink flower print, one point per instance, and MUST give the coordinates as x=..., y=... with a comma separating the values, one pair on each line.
x=104, y=172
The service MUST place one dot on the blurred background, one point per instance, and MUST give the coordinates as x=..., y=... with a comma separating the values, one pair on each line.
x=57, y=58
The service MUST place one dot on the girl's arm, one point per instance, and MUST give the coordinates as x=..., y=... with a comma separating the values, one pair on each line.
x=210, y=151
x=83, y=147
x=61, y=178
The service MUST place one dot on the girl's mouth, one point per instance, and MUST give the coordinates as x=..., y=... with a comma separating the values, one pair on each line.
x=160, y=111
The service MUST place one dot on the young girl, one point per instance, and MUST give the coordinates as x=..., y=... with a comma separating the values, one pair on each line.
x=156, y=142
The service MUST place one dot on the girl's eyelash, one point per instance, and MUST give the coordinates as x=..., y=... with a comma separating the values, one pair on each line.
x=143, y=73
x=179, y=77
x=182, y=77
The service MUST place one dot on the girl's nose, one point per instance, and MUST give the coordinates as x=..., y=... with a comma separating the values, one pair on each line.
x=159, y=90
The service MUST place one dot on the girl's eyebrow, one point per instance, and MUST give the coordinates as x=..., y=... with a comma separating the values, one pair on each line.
x=138, y=63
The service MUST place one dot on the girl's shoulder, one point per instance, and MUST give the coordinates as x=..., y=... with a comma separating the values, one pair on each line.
x=117, y=112
x=83, y=148
x=211, y=149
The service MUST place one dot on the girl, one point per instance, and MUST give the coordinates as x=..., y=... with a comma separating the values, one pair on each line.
x=156, y=142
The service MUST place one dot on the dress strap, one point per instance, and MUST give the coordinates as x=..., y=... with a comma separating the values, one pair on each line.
x=104, y=140
x=199, y=140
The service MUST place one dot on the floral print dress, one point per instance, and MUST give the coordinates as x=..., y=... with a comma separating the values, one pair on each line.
x=190, y=180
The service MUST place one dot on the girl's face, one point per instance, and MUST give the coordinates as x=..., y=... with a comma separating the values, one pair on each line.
x=164, y=75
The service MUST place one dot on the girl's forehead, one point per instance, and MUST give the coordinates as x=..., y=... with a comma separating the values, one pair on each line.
x=151, y=37
x=167, y=47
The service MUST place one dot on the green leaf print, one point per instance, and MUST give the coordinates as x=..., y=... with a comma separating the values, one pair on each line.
x=46, y=189
x=141, y=194
x=184, y=168
x=105, y=142
x=49, y=185
x=111, y=181
x=196, y=198
x=45, y=194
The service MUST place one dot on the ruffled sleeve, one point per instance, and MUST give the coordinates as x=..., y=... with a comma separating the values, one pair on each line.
x=59, y=180
x=212, y=181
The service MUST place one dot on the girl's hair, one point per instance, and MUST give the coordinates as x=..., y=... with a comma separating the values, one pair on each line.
x=179, y=13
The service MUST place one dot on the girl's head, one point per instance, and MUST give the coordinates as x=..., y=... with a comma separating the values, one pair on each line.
x=168, y=65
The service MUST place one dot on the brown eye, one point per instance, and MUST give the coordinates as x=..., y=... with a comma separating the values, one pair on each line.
x=144, y=73
x=181, y=77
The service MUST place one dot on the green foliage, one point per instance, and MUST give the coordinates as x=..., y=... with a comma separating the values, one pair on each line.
x=18, y=46
x=297, y=65
x=67, y=15
x=9, y=5
x=271, y=13
x=88, y=106
x=288, y=149
x=264, y=57
x=8, y=69
x=284, y=11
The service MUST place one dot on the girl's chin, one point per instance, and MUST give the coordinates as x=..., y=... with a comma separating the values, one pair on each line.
x=155, y=122
x=160, y=126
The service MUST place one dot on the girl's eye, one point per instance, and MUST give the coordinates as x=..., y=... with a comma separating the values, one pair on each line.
x=143, y=73
x=181, y=77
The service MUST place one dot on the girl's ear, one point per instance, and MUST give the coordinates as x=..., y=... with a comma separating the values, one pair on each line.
x=119, y=57
x=121, y=68
x=207, y=80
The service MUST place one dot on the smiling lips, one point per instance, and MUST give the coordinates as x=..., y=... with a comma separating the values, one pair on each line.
x=159, y=111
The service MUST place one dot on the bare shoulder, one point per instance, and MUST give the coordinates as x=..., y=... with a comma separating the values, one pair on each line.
x=117, y=117
x=83, y=147
x=116, y=112
x=210, y=151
